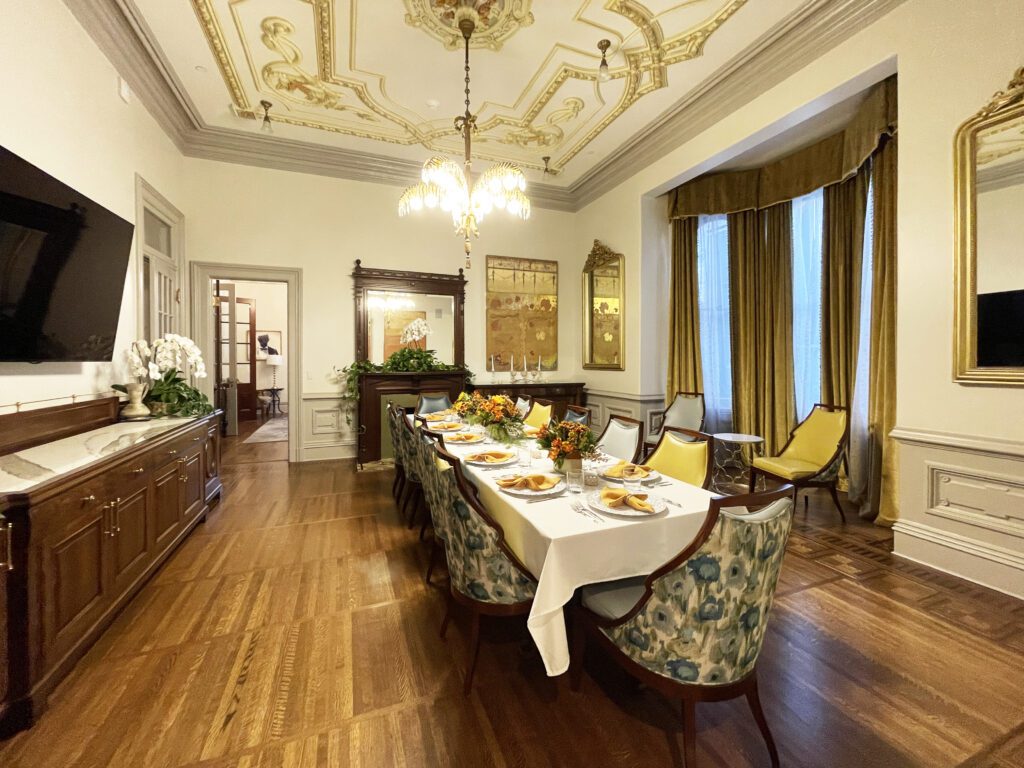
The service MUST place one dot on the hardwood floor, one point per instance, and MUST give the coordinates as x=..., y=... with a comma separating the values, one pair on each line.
x=294, y=629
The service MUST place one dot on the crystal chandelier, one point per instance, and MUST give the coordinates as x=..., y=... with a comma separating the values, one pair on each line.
x=445, y=185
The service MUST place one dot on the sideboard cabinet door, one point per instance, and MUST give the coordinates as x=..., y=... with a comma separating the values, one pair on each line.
x=166, y=502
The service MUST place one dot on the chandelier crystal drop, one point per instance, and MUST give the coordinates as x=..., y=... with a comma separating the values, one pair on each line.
x=445, y=185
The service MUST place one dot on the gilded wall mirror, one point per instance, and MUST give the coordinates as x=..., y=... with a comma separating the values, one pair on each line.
x=989, y=269
x=604, y=295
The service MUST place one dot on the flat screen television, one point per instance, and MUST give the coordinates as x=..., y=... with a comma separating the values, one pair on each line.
x=63, y=261
x=1001, y=328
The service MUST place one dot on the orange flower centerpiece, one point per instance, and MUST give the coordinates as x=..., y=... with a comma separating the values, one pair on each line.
x=497, y=414
x=567, y=440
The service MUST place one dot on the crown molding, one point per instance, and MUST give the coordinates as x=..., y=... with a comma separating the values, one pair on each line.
x=801, y=38
x=120, y=32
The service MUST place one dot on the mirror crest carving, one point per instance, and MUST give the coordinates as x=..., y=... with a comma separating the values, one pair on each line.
x=603, y=308
x=989, y=262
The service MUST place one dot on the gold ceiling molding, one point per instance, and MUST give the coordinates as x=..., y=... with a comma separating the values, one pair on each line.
x=323, y=100
x=496, y=21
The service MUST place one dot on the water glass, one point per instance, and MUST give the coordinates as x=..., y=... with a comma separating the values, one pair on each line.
x=632, y=480
x=525, y=457
x=574, y=479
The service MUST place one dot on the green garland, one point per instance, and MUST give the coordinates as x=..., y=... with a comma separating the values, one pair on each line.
x=403, y=361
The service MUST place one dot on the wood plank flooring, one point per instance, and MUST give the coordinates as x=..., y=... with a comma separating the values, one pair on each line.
x=294, y=630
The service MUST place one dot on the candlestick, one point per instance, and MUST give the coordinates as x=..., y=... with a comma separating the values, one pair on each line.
x=538, y=363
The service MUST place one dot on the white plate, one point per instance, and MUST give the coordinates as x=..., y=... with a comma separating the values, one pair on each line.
x=594, y=502
x=472, y=441
x=527, y=494
x=435, y=427
x=509, y=460
x=653, y=477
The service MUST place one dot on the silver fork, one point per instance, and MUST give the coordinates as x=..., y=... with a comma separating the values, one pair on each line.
x=580, y=509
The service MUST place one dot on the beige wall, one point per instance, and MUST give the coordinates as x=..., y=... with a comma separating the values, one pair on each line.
x=322, y=225
x=62, y=113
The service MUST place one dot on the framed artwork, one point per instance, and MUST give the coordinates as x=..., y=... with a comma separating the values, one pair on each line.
x=395, y=323
x=522, y=314
x=268, y=343
x=604, y=294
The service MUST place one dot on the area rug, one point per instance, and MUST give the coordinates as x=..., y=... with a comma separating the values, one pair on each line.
x=274, y=431
x=376, y=466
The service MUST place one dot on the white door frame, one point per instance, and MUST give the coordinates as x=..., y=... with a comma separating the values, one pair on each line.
x=201, y=274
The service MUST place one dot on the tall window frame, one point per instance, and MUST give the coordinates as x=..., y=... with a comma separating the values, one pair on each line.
x=160, y=263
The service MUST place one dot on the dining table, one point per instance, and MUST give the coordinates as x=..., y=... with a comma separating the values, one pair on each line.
x=565, y=548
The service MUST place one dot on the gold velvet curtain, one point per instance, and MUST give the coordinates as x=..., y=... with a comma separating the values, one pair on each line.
x=845, y=208
x=684, y=366
x=761, y=306
x=882, y=374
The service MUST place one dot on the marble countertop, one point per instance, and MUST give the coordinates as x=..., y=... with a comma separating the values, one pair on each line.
x=23, y=470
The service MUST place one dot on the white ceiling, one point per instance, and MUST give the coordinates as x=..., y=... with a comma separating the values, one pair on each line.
x=358, y=75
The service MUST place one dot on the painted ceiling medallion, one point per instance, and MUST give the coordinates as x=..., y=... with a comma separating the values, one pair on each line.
x=495, y=20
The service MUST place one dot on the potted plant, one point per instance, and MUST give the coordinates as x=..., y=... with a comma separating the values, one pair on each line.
x=497, y=414
x=163, y=370
x=567, y=444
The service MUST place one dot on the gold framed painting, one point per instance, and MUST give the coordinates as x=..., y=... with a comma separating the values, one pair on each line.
x=522, y=314
x=604, y=295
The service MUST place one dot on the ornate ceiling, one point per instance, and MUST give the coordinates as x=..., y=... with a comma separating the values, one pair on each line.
x=386, y=76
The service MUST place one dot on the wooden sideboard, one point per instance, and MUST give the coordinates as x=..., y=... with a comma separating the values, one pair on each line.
x=77, y=547
x=377, y=388
x=560, y=393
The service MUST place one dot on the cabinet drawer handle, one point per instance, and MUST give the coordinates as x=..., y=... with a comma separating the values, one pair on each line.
x=172, y=452
x=106, y=518
x=196, y=439
x=117, y=516
x=138, y=470
x=7, y=564
x=87, y=499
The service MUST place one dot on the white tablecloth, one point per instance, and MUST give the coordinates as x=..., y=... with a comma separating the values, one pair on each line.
x=565, y=550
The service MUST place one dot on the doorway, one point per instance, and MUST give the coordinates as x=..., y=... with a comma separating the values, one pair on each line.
x=247, y=322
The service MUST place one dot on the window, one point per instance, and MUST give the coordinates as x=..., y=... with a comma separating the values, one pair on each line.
x=160, y=268
x=713, y=309
x=808, y=215
x=859, y=431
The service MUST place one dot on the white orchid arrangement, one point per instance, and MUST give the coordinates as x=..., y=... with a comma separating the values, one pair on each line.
x=170, y=353
x=414, y=331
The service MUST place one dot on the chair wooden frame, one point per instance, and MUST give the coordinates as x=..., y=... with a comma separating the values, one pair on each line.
x=478, y=608
x=586, y=623
x=700, y=437
x=582, y=410
x=640, y=433
x=812, y=481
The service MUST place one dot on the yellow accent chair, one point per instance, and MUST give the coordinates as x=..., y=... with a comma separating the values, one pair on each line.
x=539, y=415
x=812, y=456
x=684, y=454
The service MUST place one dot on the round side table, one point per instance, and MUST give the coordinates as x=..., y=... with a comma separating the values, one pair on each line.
x=732, y=468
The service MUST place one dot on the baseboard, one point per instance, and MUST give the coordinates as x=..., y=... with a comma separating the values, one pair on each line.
x=328, y=451
x=993, y=566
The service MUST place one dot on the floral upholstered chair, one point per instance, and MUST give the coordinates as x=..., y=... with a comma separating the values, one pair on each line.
x=813, y=455
x=694, y=628
x=577, y=413
x=394, y=430
x=436, y=491
x=486, y=577
x=410, y=458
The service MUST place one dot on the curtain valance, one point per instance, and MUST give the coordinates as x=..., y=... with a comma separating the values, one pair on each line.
x=829, y=161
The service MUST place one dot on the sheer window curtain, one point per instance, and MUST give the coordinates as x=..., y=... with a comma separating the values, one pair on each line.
x=808, y=215
x=713, y=307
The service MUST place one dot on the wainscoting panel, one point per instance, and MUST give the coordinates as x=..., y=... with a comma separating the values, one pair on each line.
x=604, y=405
x=326, y=433
x=962, y=506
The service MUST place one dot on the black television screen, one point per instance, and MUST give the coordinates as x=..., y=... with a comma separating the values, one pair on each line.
x=63, y=261
x=1001, y=328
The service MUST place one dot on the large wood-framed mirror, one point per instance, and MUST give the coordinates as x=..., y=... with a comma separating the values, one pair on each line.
x=604, y=294
x=394, y=308
x=989, y=173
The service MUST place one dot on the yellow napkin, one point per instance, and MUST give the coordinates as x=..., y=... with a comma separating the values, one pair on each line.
x=463, y=437
x=616, y=471
x=528, y=482
x=531, y=431
x=448, y=425
x=617, y=497
x=489, y=457
x=439, y=416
